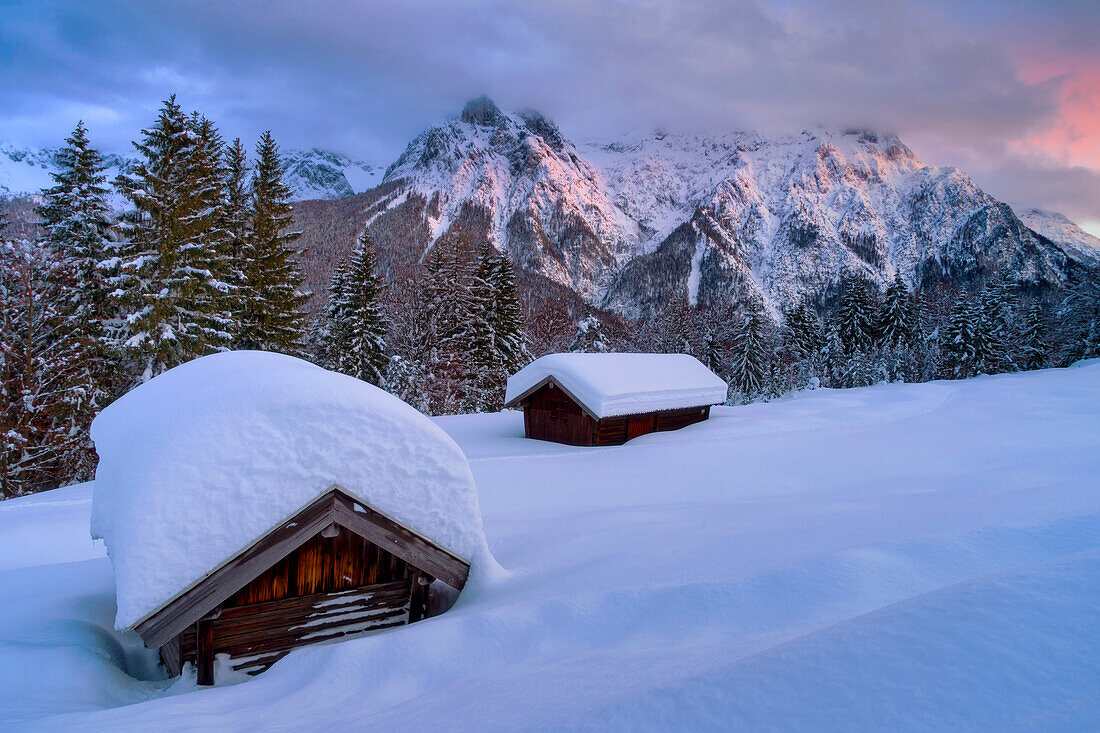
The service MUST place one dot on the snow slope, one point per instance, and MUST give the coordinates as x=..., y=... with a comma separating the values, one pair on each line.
x=900, y=557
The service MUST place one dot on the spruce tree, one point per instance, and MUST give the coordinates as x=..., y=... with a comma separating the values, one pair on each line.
x=237, y=226
x=481, y=366
x=1032, y=341
x=1080, y=314
x=993, y=329
x=76, y=221
x=43, y=392
x=750, y=361
x=356, y=325
x=589, y=337
x=958, y=347
x=506, y=316
x=272, y=316
x=170, y=256
x=329, y=336
x=856, y=317
x=802, y=332
x=897, y=326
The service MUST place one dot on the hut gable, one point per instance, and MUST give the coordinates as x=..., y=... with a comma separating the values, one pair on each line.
x=607, y=399
x=365, y=554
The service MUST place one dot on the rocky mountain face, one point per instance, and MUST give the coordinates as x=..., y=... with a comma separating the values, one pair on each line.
x=311, y=174
x=631, y=224
x=517, y=180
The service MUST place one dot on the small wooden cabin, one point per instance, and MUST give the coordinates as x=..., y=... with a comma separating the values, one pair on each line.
x=608, y=399
x=252, y=503
x=334, y=569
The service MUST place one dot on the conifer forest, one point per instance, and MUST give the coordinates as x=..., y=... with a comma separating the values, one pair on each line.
x=204, y=257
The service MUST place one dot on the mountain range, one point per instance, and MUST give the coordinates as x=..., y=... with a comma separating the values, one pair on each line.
x=632, y=223
x=310, y=174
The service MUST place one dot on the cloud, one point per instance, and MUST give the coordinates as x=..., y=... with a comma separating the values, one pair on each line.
x=1007, y=90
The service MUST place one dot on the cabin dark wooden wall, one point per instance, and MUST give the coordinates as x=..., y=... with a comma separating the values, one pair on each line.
x=255, y=636
x=551, y=414
x=327, y=588
x=321, y=565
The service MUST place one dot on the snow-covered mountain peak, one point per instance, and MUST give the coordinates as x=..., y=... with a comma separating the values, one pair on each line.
x=323, y=174
x=517, y=178
x=632, y=222
x=1059, y=229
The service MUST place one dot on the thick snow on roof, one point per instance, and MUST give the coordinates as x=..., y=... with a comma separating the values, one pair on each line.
x=200, y=462
x=624, y=384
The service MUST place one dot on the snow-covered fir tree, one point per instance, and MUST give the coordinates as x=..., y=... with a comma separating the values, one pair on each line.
x=169, y=256
x=1080, y=314
x=75, y=218
x=506, y=316
x=272, y=315
x=958, y=349
x=802, y=332
x=897, y=323
x=481, y=365
x=856, y=316
x=237, y=226
x=43, y=382
x=589, y=337
x=993, y=328
x=355, y=342
x=750, y=353
x=1032, y=347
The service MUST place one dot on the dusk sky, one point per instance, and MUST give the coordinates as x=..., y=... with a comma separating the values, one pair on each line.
x=1008, y=91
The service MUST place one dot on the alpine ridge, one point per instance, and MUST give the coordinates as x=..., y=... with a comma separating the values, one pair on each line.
x=635, y=223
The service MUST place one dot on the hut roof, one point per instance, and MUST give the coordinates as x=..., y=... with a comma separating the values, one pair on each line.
x=609, y=385
x=206, y=458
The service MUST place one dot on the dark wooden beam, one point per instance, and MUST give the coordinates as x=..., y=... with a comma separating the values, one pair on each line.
x=204, y=651
x=400, y=541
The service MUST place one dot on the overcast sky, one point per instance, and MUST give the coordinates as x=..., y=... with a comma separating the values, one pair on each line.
x=1007, y=90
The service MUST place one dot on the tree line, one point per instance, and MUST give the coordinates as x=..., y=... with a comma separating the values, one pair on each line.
x=204, y=259
x=92, y=304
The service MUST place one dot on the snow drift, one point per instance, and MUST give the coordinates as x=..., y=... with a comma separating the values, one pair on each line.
x=203, y=460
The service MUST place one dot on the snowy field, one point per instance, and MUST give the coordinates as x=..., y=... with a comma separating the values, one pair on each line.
x=901, y=557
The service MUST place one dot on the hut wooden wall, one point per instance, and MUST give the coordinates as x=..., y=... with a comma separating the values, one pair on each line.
x=550, y=414
x=321, y=565
x=255, y=636
x=327, y=588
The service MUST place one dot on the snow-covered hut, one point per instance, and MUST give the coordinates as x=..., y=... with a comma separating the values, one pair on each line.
x=608, y=399
x=252, y=503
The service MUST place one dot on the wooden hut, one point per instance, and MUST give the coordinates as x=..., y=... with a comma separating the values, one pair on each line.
x=608, y=399
x=253, y=503
x=334, y=569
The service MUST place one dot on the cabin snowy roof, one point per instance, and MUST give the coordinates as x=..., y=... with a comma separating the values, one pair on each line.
x=205, y=459
x=610, y=385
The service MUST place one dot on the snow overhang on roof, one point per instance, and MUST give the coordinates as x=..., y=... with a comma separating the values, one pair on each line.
x=611, y=385
x=203, y=460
